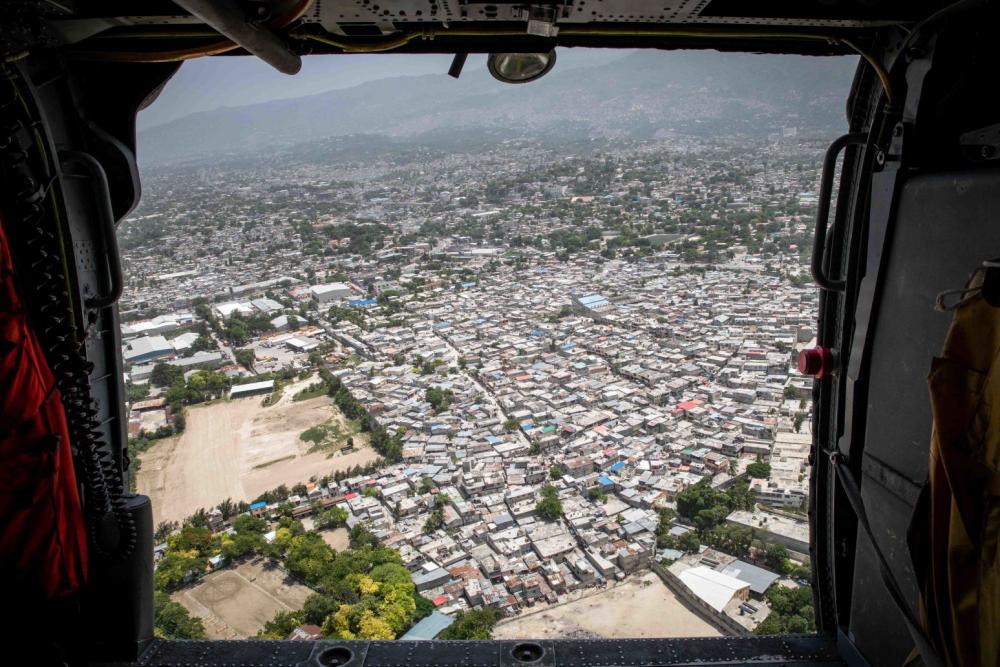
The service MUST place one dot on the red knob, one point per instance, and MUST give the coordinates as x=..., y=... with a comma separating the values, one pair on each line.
x=816, y=361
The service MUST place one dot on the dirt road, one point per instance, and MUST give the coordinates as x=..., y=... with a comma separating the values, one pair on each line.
x=238, y=449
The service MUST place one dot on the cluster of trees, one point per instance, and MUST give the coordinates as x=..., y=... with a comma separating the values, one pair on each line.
x=364, y=237
x=187, y=554
x=388, y=445
x=759, y=470
x=440, y=399
x=335, y=517
x=472, y=624
x=239, y=329
x=791, y=611
x=201, y=386
x=549, y=507
x=362, y=593
x=136, y=392
x=436, y=518
x=352, y=315
x=707, y=508
x=173, y=621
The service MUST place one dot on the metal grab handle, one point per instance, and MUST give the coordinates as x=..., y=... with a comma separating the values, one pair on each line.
x=108, y=231
x=823, y=208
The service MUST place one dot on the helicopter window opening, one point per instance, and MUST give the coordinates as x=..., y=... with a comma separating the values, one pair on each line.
x=411, y=357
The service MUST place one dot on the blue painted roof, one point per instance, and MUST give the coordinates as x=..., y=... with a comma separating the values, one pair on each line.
x=618, y=466
x=258, y=505
x=592, y=299
x=605, y=480
x=538, y=333
x=527, y=426
x=471, y=283
x=360, y=303
x=428, y=628
x=492, y=439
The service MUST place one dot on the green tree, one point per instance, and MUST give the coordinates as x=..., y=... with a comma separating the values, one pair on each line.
x=704, y=506
x=281, y=625
x=689, y=542
x=165, y=375
x=136, y=392
x=549, y=507
x=245, y=357
x=334, y=517
x=247, y=523
x=776, y=557
x=759, y=470
x=472, y=624
x=436, y=518
x=174, y=568
x=172, y=620
x=440, y=399
x=791, y=611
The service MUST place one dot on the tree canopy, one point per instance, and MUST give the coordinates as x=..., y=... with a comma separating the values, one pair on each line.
x=549, y=507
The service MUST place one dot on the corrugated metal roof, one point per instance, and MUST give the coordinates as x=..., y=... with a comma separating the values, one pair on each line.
x=713, y=587
x=251, y=387
x=758, y=578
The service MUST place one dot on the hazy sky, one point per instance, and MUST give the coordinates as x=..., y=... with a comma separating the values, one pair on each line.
x=210, y=83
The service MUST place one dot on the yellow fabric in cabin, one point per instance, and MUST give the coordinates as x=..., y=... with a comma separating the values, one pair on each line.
x=957, y=521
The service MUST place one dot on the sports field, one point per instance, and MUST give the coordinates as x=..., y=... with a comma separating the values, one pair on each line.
x=236, y=603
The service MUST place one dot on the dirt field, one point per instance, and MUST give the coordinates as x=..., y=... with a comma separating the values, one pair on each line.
x=641, y=607
x=338, y=539
x=236, y=603
x=238, y=449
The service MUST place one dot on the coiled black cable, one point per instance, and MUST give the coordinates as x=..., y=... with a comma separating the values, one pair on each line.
x=110, y=528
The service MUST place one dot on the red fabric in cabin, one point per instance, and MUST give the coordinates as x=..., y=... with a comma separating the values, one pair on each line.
x=42, y=536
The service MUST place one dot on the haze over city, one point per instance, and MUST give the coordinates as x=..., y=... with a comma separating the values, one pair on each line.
x=463, y=360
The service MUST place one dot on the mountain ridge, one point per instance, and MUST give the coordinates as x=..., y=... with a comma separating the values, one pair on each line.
x=634, y=96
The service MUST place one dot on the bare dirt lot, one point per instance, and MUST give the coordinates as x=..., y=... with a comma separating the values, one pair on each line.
x=338, y=539
x=641, y=607
x=236, y=603
x=238, y=449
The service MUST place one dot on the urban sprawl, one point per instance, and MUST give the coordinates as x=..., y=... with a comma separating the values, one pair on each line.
x=574, y=365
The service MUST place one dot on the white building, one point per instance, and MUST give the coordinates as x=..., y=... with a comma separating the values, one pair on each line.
x=330, y=292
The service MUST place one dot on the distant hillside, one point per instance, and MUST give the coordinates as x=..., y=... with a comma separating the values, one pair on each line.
x=635, y=96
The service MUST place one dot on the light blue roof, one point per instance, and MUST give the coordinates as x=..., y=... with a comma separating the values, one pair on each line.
x=428, y=628
x=360, y=303
x=618, y=466
x=471, y=283
x=605, y=480
x=258, y=505
x=592, y=299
